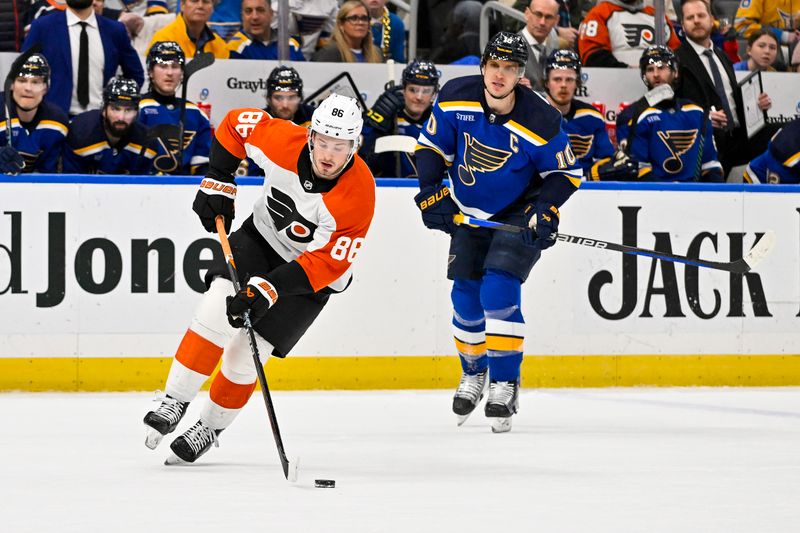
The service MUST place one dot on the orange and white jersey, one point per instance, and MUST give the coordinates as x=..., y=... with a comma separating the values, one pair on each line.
x=623, y=32
x=322, y=231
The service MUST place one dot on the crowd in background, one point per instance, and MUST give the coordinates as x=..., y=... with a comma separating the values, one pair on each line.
x=753, y=35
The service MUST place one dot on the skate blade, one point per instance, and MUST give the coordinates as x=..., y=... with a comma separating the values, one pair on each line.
x=294, y=464
x=174, y=460
x=501, y=425
x=460, y=419
x=153, y=438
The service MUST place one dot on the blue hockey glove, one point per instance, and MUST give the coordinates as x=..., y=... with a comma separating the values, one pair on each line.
x=257, y=297
x=542, y=220
x=10, y=161
x=437, y=208
x=215, y=198
x=382, y=115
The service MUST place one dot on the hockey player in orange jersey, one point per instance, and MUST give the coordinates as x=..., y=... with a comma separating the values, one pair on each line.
x=616, y=32
x=292, y=253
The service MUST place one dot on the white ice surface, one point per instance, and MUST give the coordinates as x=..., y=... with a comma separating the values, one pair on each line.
x=612, y=460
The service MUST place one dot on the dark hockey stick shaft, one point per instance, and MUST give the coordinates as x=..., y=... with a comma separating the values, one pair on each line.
x=740, y=266
x=262, y=378
x=10, y=77
x=200, y=61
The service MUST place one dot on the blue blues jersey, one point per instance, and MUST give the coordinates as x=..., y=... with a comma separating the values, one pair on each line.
x=780, y=163
x=242, y=46
x=385, y=164
x=87, y=150
x=157, y=109
x=586, y=129
x=496, y=161
x=667, y=140
x=39, y=142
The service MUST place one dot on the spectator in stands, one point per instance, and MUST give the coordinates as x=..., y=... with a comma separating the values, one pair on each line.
x=388, y=31
x=226, y=19
x=400, y=111
x=162, y=107
x=707, y=79
x=460, y=43
x=665, y=137
x=780, y=163
x=312, y=20
x=38, y=128
x=256, y=40
x=111, y=140
x=84, y=51
x=133, y=22
x=616, y=32
x=539, y=32
x=12, y=21
x=352, y=38
x=762, y=51
x=780, y=17
x=190, y=30
x=584, y=124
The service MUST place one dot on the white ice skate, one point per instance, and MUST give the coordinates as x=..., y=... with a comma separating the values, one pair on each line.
x=502, y=404
x=469, y=394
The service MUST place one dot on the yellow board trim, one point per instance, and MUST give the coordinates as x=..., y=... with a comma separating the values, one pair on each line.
x=413, y=372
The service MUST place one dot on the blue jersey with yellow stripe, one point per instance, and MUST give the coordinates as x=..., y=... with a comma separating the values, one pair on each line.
x=244, y=46
x=39, y=142
x=87, y=150
x=666, y=141
x=496, y=160
x=157, y=109
x=780, y=163
x=586, y=129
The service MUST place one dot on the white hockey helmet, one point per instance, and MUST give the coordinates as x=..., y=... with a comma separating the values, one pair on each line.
x=338, y=116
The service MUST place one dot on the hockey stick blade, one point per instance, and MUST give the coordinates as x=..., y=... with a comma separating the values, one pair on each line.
x=395, y=143
x=741, y=266
x=200, y=61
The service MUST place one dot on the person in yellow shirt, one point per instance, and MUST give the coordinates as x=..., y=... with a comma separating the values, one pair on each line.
x=780, y=17
x=190, y=30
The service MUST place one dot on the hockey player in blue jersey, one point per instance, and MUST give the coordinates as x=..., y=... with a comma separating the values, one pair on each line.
x=161, y=106
x=508, y=159
x=39, y=128
x=584, y=124
x=662, y=138
x=780, y=163
x=400, y=111
x=110, y=140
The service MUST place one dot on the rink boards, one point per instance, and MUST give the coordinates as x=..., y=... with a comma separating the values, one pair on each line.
x=99, y=277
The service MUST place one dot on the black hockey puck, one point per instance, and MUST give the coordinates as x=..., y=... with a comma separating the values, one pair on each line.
x=324, y=483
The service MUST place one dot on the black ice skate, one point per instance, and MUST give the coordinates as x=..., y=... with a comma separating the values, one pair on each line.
x=196, y=441
x=469, y=394
x=163, y=420
x=502, y=403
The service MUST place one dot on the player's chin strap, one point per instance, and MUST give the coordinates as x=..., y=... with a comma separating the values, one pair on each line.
x=350, y=156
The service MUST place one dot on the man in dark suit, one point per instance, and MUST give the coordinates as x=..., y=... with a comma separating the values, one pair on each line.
x=707, y=78
x=84, y=51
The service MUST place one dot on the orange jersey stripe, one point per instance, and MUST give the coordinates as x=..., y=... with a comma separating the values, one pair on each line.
x=198, y=353
x=501, y=343
x=470, y=349
x=228, y=394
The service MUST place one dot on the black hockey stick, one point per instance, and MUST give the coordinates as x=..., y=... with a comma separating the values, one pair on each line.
x=741, y=266
x=200, y=61
x=289, y=469
x=10, y=77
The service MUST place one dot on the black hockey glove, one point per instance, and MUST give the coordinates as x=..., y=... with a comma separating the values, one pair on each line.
x=437, y=208
x=619, y=167
x=215, y=198
x=257, y=297
x=382, y=115
x=542, y=220
x=10, y=161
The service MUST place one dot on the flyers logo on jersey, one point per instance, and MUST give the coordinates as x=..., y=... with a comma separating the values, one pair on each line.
x=283, y=212
x=581, y=144
x=678, y=142
x=638, y=35
x=479, y=157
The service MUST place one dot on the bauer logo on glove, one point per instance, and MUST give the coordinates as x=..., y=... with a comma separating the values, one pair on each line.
x=256, y=298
